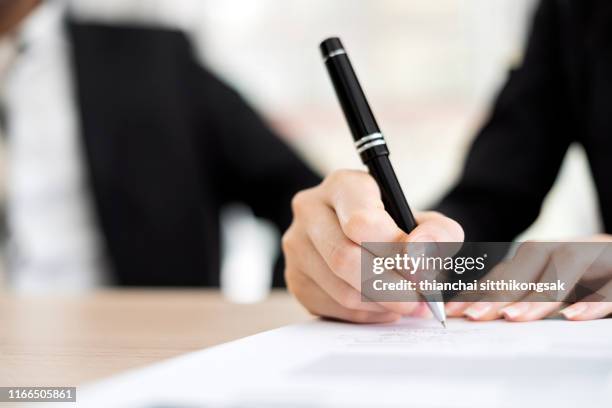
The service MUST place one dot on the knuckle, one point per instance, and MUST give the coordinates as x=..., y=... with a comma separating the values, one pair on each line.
x=360, y=222
x=290, y=280
x=530, y=250
x=287, y=240
x=343, y=176
x=298, y=285
x=369, y=183
x=299, y=200
x=455, y=226
x=349, y=299
x=344, y=259
x=452, y=230
x=567, y=255
x=337, y=177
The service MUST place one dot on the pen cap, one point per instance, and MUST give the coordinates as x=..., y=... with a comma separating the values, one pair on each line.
x=368, y=139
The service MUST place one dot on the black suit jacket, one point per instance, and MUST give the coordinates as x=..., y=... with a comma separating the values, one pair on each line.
x=560, y=95
x=167, y=145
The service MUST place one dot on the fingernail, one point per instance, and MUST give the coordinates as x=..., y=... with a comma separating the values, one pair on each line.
x=540, y=307
x=514, y=311
x=477, y=310
x=574, y=310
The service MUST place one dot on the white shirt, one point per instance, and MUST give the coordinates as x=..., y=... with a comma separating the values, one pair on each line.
x=8, y=53
x=54, y=242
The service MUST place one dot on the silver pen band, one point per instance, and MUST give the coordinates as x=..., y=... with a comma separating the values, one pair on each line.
x=367, y=138
x=370, y=145
x=369, y=141
x=334, y=53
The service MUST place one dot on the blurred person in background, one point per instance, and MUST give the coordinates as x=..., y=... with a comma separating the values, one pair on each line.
x=120, y=149
x=559, y=95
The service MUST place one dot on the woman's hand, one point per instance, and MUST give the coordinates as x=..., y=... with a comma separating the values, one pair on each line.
x=322, y=247
x=585, y=262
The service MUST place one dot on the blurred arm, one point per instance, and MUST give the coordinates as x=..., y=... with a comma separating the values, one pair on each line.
x=248, y=161
x=244, y=160
x=514, y=160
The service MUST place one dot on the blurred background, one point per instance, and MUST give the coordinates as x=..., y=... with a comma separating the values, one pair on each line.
x=430, y=68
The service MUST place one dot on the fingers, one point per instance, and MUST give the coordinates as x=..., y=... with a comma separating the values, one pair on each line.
x=527, y=265
x=533, y=262
x=319, y=303
x=318, y=247
x=515, y=312
x=529, y=311
x=483, y=311
x=456, y=309
x=323, y=246
x=341, y=255
x=355, y=198
x=569, y=262
x=587, y=310
x=338, y=289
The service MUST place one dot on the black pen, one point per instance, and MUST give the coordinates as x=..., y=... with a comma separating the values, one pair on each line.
x=370, y=142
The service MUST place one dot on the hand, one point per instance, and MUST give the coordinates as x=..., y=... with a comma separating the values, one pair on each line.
x=322, y=246
x=573, y=262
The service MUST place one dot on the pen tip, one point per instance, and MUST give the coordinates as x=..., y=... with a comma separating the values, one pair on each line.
x=443, y=323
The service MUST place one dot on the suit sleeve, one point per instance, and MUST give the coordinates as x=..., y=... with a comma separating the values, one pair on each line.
x=514, y=160
x=249, y=162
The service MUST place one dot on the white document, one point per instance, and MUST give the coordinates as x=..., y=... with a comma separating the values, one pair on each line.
x=413, y=363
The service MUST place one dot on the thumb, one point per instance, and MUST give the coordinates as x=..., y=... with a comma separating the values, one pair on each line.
x=355, y=198
x=435, y=227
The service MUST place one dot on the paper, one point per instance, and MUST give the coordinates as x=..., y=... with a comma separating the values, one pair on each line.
x=411, y=363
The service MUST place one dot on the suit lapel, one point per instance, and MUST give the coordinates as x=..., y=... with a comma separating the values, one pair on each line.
x=138, y=142
x=96, y=119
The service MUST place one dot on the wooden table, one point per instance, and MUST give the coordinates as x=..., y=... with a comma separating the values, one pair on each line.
x=69, y=340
